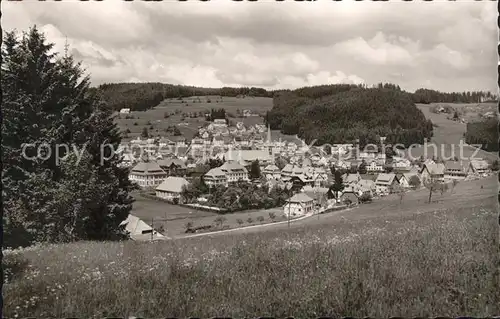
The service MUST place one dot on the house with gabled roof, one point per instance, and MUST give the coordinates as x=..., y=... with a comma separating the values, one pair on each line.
x=479, y=167
x=147, y=174
x=171, y=188
x=139, y=230
x=318, y=194
x=271, y=172
x=386, y=182
x=173, y=166
x=375, y=166
x=234, y=171
x=407, y=177
x=456, y=169
x=215, y=177
x=349, y=197
x=298, y=205
x=432, y=171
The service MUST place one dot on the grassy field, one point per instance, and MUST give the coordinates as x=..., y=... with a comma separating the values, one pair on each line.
x=448, y=133
x=438, y=259
x=155, y=117
x=173, y=218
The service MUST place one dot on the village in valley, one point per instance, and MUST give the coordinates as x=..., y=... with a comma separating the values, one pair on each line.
x=175, y=173
x=202, y=159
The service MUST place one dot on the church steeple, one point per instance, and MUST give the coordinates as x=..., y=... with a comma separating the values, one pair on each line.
x=268, y=134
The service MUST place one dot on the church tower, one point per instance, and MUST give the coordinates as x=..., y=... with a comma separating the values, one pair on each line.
x=268, y=141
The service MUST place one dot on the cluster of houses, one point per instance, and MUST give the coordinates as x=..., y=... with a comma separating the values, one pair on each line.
x=164, y=165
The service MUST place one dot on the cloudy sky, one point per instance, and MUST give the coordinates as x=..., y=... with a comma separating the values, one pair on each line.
x=450, y=46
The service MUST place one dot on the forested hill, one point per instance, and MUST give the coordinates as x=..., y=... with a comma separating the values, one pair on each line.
x=340, y=113
x=143, y=96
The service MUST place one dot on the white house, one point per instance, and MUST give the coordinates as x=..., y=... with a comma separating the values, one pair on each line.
x=319, y=178
x=234, y=171
x=298, y=205
x=124, y=111
x=127, y=160
x=375, y=166
x=147, y=174
x=386, y=182
x=219, y=123
x=171, y=188
x=215, y=177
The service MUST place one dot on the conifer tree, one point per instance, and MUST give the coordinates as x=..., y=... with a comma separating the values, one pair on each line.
x=47, y=100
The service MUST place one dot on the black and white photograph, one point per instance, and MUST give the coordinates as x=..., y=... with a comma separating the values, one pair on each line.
x=246, y=159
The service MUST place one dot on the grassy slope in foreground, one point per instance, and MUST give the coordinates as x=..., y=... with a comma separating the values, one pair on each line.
x=425, y=264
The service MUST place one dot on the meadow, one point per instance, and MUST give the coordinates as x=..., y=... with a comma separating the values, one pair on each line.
x=173, y=218
x=434, y=261
x=448, y=133
x=155, y=117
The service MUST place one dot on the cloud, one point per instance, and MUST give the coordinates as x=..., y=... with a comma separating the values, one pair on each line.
x=451, y=46
x=379, y=50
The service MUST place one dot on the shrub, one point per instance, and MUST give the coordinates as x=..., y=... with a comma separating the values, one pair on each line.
x=260, y=219
x=272, y=216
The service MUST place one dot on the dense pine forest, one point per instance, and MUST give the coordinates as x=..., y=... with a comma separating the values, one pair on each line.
x=144, y=96
x=341, y=113
x=484, y=133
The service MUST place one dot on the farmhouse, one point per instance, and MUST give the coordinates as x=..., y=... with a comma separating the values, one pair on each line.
x=318, y=194
x=139, y=230
x=299, y=204
x=125, y=111
x=456, y=170
x=479, y=167
x=432, y=171
x=147, y=174
x=386, y=182
x=171, y=188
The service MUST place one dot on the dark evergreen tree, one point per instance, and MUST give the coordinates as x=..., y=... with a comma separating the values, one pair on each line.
x=338, y=184
x=255, y=170
x=65, y=196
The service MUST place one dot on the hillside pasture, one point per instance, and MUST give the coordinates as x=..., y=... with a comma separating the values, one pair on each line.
x=408, y=262
x=155, y=117
x=449, y=133
x=258, y=105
